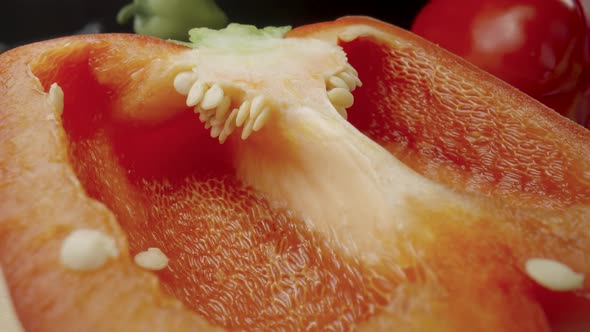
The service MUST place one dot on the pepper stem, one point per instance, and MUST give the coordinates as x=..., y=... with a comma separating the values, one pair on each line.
x=126, y=13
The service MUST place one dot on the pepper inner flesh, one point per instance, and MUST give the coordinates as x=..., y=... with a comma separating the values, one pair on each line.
x=234, y=258
x=237, y=256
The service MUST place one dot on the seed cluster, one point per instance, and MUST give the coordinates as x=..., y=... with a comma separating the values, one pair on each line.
x=340, y=87
x=223, y=113
x=213, y=105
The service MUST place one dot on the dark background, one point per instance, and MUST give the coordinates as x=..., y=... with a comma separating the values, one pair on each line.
x=26, y=21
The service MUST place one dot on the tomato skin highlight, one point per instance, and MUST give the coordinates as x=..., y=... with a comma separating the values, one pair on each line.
x=537, y=46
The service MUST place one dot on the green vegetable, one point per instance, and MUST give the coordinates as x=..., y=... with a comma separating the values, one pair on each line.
x=235, y=36
x=172, y=19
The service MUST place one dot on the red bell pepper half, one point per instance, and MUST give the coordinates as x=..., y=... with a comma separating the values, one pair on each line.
x=350, y=175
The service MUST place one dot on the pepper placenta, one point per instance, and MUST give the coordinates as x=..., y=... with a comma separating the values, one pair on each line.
x=348, y=174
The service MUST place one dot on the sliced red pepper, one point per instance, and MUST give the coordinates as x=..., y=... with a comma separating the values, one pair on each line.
x=307, y=223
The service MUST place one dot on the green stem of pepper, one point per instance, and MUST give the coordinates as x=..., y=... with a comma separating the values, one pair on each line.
x=172, y=19
x=126, y=13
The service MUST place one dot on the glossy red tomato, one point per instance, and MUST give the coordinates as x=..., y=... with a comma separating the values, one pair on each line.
x=536, y=45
